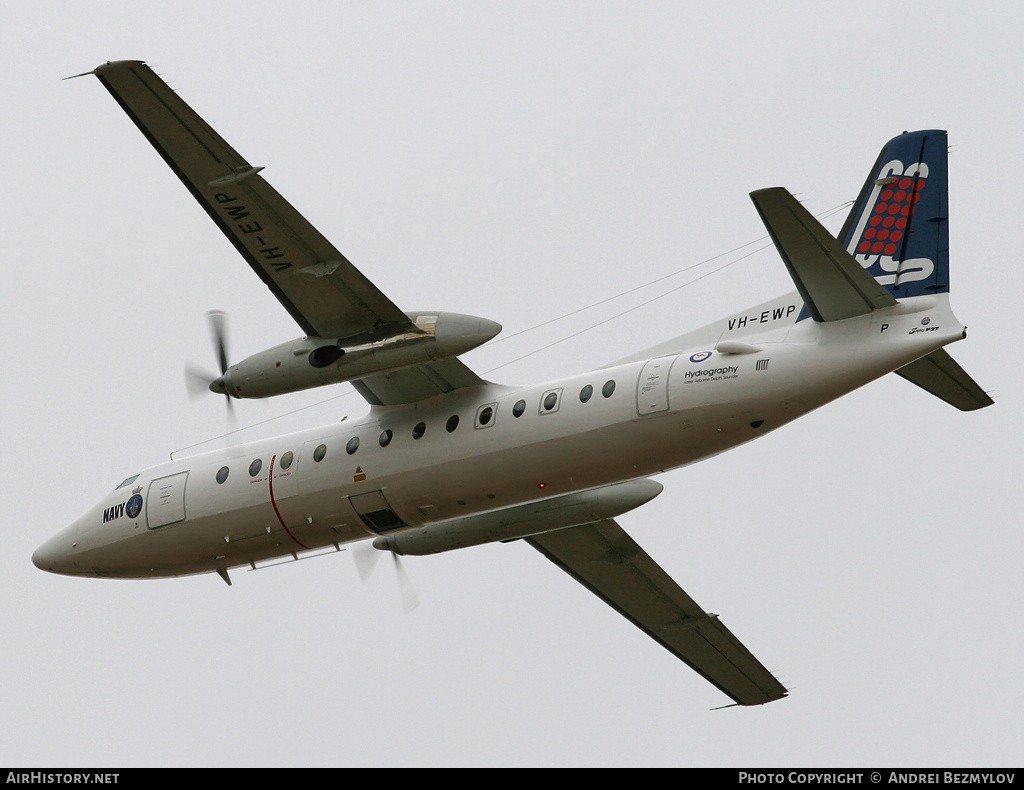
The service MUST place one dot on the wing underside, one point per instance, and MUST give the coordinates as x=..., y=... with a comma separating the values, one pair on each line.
x=409, y=385
x=609, y=563
x=320, y=288
x=323, y=291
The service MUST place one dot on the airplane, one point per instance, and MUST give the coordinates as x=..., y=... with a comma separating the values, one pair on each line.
x=445, y=460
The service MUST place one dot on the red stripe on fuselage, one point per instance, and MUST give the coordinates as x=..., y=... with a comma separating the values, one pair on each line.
x=273, y=460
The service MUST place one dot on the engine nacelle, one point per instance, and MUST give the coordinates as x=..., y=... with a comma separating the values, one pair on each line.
x=314, y=361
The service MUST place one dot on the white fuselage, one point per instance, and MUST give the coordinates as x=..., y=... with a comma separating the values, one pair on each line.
x=658, y=414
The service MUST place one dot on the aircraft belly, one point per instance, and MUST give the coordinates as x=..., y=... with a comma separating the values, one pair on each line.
x=205, y=544
x=539, y=470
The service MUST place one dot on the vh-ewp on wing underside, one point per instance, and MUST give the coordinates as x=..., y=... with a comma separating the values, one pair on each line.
x=609, y=563
x=322, y=290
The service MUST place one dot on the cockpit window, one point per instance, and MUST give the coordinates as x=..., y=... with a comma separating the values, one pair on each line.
x=128, y=481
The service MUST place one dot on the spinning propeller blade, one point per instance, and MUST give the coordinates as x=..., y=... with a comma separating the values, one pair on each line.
x=366, y=557
x=198, y=381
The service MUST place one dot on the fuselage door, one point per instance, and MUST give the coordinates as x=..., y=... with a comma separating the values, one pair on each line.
x=165, y=503
x=652, y=385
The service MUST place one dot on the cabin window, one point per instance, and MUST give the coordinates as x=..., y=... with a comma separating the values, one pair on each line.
x=128, y=481
x=286, y=459
x=320, y=452
x=519, y=408
x=254, y=467
x=549, y=401
x=352, y=446
x=222, y=474
x=419, y=430
x=485, y=415
x=608, y=388
x=452, y=424
x=385, y=438
x=586, y=393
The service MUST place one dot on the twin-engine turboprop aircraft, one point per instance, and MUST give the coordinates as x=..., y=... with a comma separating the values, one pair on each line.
x=445, y=460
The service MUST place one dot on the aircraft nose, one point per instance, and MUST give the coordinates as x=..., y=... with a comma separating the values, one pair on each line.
x=56, y=554
x=49, y=557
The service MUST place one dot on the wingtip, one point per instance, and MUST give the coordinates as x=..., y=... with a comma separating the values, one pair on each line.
x=757, y=193
x=108, y=66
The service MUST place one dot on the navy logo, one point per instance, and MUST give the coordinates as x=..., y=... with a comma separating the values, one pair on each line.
x=134, y=507
x=700, y=356
x=925, y=321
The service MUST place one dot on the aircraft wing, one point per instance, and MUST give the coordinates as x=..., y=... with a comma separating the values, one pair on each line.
x=608, y=562
x=408, y=385
x=321, y=289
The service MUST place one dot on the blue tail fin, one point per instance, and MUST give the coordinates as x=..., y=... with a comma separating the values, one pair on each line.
x=898, y=229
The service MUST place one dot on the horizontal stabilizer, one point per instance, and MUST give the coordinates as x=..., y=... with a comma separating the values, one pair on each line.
x=833, y=285
x=939, y=374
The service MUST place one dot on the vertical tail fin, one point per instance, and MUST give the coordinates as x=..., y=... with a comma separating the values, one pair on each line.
x=898, y=229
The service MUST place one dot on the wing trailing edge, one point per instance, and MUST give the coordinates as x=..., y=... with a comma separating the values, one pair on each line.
x=609, y=563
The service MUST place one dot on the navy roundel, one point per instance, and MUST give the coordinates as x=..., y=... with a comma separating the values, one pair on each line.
x=134, y=506
x=700, y=356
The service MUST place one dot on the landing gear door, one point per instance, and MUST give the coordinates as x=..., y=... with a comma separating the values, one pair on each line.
x=376, y=513
x=652, y=386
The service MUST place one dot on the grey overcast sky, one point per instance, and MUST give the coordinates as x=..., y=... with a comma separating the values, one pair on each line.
x=516, y=161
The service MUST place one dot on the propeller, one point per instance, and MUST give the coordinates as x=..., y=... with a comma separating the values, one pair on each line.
x=199, y=381
x=366, y=556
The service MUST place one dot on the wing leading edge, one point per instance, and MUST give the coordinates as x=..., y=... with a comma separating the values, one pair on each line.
x=319, y=287
x=609, y=563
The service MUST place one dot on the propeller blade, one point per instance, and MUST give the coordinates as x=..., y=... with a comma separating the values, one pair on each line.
x=410, y=600
x=365, y=557
x=197, y=380
x=219, y=333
